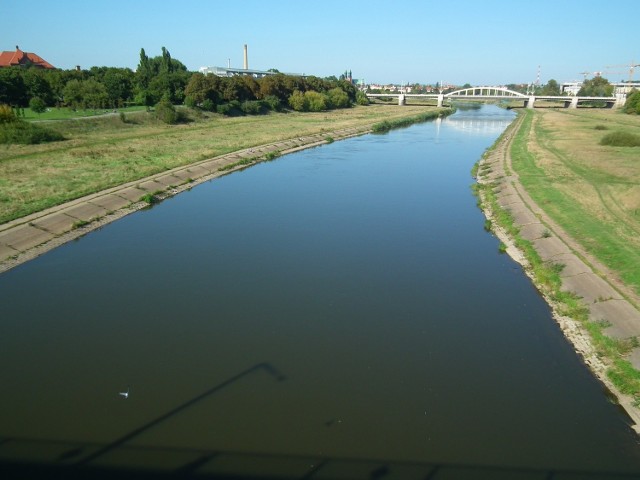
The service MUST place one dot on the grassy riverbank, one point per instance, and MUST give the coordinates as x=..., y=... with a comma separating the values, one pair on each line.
x=593, y=193
x=103, y=152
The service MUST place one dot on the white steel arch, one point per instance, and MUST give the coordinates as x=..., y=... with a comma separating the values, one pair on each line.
x=491, y=92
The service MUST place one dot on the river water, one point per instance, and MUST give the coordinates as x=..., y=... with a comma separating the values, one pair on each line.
x=342, y=302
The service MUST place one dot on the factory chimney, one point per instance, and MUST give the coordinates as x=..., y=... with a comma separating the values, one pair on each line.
x=246, y=58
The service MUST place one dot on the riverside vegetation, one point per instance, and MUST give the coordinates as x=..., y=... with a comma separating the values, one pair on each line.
x=590, y=186
x=103, y=152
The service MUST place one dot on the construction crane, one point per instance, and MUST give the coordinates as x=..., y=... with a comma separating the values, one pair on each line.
x=630, y=66
x=597, y=74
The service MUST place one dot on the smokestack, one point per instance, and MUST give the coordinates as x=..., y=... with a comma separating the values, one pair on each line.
x=246, y=58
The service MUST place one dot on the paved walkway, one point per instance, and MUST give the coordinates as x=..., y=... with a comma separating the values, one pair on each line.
x=605, y=298
x=26, y=238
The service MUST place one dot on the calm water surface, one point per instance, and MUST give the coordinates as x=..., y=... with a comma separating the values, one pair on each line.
x=343, y=301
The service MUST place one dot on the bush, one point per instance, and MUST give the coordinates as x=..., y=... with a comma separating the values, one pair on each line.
x=338, y=98
x=190, y=102
x=361, y=98
x=251, y=107
x=621, y=139
x=229, y=109
x=298, y=101
x=316, y=102
x=632, y=105
x=208, y=105
x=25, y=133
x=7, y=114
x=272, y=103
x=166, y=112
x=37, y=105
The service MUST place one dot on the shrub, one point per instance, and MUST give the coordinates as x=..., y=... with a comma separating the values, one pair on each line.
x=338, y=98
x=251, y=107
x=272, y=103
x=601, y=127
x=621, y=139
x=190, y=102
x=230, y=109
x=361, y=98
x=298, y=101
x=208, y=105
x=7, y=114
x=25, y=133
x=36, y=104
x=166, y=112
x=632, y=105
x=316, y=102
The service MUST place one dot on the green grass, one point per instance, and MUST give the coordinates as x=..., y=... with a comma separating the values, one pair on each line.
x=387, y=125
x=610, y=238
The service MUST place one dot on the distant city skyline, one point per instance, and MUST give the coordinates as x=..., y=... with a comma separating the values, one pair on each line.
x=491, y=42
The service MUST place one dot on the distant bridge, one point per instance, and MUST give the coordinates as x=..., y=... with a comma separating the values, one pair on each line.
x=501, y=93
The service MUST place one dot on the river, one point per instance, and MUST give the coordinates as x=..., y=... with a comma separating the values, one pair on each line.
x=342, y=304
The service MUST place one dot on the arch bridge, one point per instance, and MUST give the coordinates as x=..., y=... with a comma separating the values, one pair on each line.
x=500, y=93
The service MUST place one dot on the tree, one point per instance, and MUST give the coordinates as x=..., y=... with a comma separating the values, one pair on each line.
x=551, y=88
x=338, y=98
x=632, y=105
x=73, y=94
x=94, y=94
x=361, y=98
x=315, y=101
x=118, y=83
x=36, y=104
x=298, y=101
x=143, y=72
x=13, y=91
x=596, y=87
x=166, y=112
x=37, y=85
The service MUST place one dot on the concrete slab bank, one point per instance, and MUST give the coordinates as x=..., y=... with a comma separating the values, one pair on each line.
x=582, y=274
x=26, y=238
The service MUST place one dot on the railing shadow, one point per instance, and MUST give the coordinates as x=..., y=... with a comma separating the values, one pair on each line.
x=34, y=459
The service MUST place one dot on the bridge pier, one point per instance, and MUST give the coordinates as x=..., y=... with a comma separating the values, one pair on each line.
x=402, y=100
x=574, y=102
x=529, y=102
x=440, y=100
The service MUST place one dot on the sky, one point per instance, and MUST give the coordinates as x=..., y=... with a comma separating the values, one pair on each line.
x=481, y=42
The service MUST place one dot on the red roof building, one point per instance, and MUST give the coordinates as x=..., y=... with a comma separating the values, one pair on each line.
x=20, y=59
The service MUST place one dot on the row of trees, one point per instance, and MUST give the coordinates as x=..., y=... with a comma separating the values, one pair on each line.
x=163, y=77
x=273, y=91
x=98, y=87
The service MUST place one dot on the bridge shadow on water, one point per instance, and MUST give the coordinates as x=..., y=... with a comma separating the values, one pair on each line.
x=34, y=459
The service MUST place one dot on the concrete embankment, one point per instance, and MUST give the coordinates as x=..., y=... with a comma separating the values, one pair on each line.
x=26, y=238
x=578, y=275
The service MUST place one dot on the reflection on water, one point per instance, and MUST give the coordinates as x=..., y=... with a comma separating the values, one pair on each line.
x=359, y=270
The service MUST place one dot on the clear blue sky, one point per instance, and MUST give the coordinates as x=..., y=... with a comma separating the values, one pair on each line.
x=480, y=41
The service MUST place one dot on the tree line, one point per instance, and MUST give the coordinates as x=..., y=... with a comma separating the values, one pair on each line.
x=163, y=78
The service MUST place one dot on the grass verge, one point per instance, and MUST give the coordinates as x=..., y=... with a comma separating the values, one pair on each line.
x=546, y=275
x=387, y=125
x=104, y=152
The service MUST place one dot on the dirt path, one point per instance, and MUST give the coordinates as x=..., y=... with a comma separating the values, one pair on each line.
x=580, y=272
